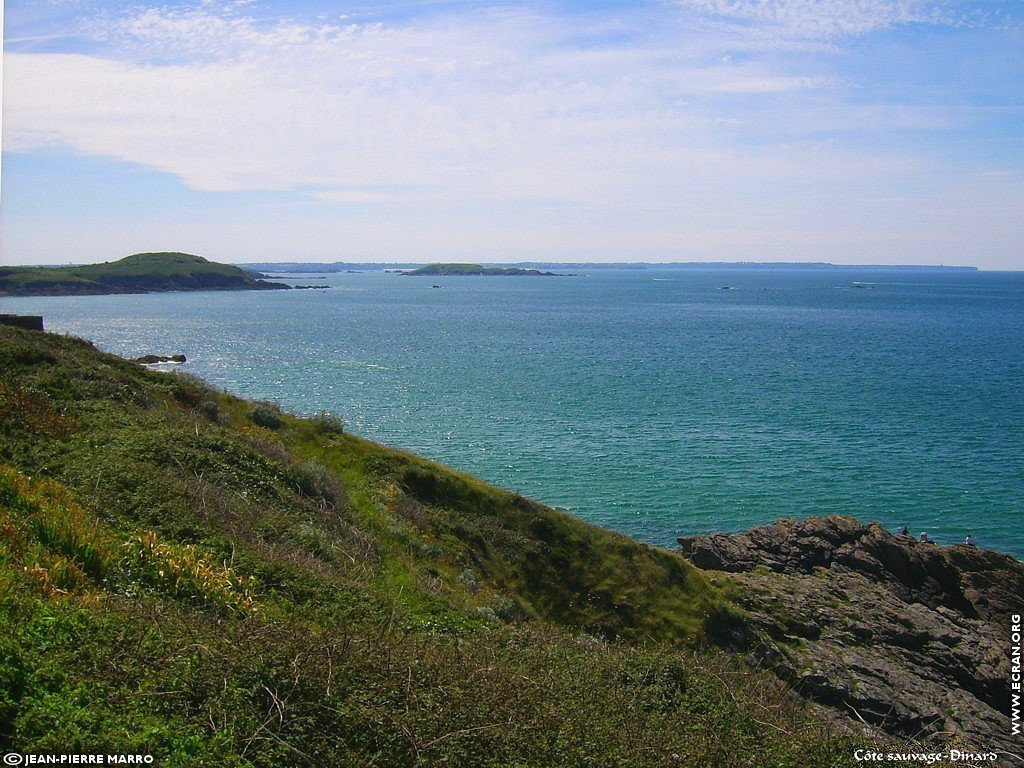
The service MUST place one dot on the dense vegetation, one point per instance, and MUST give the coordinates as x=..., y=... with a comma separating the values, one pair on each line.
x=138, y=273
x=476, y=270
x=217, y=582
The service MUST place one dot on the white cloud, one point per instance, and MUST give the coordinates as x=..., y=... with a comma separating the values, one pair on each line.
x=493, y=105
x=485, y=106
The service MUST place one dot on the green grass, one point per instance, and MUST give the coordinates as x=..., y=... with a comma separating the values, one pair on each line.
x=139, y=272
x=176, y=579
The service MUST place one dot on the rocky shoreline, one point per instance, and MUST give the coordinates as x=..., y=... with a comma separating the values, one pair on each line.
x=907, y=636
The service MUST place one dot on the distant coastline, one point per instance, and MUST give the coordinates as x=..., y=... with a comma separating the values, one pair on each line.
x=174, y=271
x=300, y=267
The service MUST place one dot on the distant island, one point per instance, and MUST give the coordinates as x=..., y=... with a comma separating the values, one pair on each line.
x=477, y=270
x=138, y=273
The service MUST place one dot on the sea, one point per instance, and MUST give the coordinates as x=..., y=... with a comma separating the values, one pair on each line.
x=658, y=402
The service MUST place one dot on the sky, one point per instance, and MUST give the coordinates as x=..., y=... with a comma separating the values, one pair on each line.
x=847, y=131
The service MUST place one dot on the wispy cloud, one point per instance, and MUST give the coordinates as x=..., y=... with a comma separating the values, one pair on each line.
x=495, y=103
x=811, y=20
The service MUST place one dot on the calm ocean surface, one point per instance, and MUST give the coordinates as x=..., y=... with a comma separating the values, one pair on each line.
x=651, y=402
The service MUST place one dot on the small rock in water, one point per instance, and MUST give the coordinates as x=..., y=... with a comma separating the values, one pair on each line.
x=157, y=359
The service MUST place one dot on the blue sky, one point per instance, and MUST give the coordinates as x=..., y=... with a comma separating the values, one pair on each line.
x=851, y=131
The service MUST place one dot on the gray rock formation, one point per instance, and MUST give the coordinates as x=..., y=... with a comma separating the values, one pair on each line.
x=911, y=637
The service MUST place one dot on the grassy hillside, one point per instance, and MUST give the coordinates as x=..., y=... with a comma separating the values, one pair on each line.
x=215, y=582
x=138, y=273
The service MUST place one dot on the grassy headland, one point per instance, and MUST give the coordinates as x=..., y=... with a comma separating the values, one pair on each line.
x=215, y=582
x=138, y=273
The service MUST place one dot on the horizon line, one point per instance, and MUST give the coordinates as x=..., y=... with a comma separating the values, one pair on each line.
x=556, y=264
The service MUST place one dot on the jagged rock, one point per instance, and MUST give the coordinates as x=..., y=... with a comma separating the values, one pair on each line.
x=909, y=636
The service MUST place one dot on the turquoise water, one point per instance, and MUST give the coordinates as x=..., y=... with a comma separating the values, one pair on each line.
x=651, y=402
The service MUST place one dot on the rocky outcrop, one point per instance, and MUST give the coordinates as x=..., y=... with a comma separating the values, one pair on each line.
x=159, y=359
x=29, y=322
x=912, y=637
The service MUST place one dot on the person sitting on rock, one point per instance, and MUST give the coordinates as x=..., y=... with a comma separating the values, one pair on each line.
x=924, y=536
x=969, y=541
x=905, y=531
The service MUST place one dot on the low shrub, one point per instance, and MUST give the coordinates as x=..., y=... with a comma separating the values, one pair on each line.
x=509, y=610
x=328, y=424
x=468, y=579
x=266, y=415
x=189, y=389
x=315, y=480
x=211, y=410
